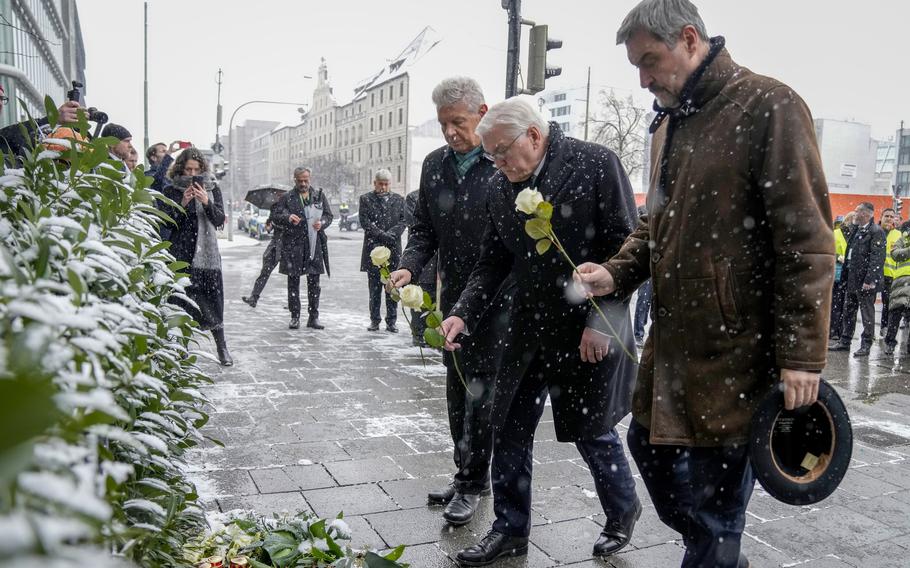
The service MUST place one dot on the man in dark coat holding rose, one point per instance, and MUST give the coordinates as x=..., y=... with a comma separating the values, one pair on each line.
x=556, y=344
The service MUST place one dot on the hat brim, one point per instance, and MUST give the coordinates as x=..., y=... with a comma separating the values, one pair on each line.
x=801, y=456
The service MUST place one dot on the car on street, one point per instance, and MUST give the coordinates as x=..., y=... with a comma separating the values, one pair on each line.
x=350, y=223
x=256, y=224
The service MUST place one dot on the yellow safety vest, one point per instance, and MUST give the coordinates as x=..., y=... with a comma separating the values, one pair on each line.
x=890, y=265
x=840, y=243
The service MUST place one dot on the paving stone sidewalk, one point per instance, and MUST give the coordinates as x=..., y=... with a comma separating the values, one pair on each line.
x=353, y=421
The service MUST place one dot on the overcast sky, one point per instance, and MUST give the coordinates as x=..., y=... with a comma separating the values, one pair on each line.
x=846, y=59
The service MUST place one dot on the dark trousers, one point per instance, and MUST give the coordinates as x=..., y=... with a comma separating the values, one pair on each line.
x=838, y=296
x=865, y=301
x=702, y=493
x=513, y=462
x=895, y=315
x=469, y=424
x=886, y=299
x=642, y=308
x=312, y=295
x=270, y=259
x=376, y=292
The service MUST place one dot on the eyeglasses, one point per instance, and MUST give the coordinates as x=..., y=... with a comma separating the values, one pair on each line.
x=501, y=154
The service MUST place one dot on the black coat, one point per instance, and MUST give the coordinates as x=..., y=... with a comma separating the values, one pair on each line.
x=427, y=278
x=449, y=222
x=865, y=257
x=183, y=235
x=593, y=213
x=295, y=240
x=383, y=222
x=15, y=139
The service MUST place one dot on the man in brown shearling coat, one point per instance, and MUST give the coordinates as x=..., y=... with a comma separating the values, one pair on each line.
x=737, y=240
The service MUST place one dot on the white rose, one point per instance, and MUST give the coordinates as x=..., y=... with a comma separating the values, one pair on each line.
x=412, y=296
x=528, y=200
x=380, y=256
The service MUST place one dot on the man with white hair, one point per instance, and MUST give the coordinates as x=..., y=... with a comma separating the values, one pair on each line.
x=556, y=343
x=381, y=215
x=449, y=219
x=738, y=240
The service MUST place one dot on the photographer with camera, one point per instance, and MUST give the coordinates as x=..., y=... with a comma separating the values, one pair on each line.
x=193, y=240
x=16, y=138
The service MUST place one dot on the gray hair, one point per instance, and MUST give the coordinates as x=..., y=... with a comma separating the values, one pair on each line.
x=383, y=175
x=664, y=19
x=458, y=90
x=299, y=170
x=517, y=114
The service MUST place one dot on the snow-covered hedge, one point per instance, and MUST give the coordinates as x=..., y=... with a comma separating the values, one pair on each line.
x=99, y=388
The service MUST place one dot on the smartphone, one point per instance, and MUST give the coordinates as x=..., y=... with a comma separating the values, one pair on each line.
x=183, y=145
x=199, y=179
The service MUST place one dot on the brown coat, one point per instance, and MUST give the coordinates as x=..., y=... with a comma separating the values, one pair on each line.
x=742, y=258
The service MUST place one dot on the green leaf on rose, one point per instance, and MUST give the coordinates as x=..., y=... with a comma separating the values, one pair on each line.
x=537, y=228
x=434, y=319
x=543, y=245
x=544, y=210
x=433, y=338
x=427, y=301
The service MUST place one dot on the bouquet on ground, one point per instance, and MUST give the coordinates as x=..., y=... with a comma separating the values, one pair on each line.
x=540, y=228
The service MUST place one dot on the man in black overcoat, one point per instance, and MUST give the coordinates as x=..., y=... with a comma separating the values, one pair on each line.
x=864, y=273
x=382, y=218
x=449, y=220
x=303, y=214
x=556, y=343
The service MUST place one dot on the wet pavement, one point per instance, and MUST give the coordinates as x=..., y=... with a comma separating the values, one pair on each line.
x=348, y=420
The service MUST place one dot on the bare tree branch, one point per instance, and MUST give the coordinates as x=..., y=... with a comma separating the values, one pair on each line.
x=620, y=126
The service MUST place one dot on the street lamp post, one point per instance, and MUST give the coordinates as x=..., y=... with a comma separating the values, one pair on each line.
x=232, y=167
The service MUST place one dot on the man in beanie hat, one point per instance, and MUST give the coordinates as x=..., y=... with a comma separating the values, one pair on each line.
x=122, y=149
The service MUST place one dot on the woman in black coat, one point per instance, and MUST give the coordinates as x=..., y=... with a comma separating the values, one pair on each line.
x=194, y=241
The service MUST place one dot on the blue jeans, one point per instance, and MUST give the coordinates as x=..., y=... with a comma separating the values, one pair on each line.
x=642, y=308
x=512, y=464
x=702, y=493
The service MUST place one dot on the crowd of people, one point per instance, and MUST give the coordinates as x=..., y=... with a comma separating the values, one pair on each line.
x=872, y=259
x=739, y=294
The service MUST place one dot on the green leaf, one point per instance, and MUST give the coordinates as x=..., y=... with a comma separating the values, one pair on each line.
x=395, y=554
x=544, y=210
x=427, y=301
x=333, y=547
x=433, y=338
x=53, y=115
x=433, y=319
x=373, y=560
x=537, y=228
x=317, y=529
x=543, y=245
x=76, y=282
x=282, y=547
x=178, y=265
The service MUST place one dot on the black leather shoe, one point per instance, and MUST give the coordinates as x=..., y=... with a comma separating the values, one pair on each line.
x=743, y=562
x=839, y=346
x=295, y=323
x=444, y=495
x=862, y=351
x=250, y=300
x=314, y=323
x=889, y=349
x=461, y=508
x=374, y=326
x=491, y=547
x=617, y=534
x=224, y=357
x=391, y=328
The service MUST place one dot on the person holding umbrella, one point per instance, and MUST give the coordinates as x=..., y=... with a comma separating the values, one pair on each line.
x=303, y=216
x=266, y=198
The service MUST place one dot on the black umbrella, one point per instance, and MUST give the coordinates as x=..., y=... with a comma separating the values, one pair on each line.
x=265, y=197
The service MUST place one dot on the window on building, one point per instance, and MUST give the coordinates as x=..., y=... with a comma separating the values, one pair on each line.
x=391, y=92
x=388, y=147
x=905, y=141
x=390, y=119
x=371, y=124
x=372, y=100
x=358, y=155
x=559, y=97
x=380, y=122
x=399, y=174
x=379, y=149
x=905, y=157
x=371, y=150
x=399, y=144
x=401, y=89
x=400, y=116
x=564, y=126
x=360, y=133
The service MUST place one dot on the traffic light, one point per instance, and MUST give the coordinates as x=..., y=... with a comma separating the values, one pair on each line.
x=538, y=72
